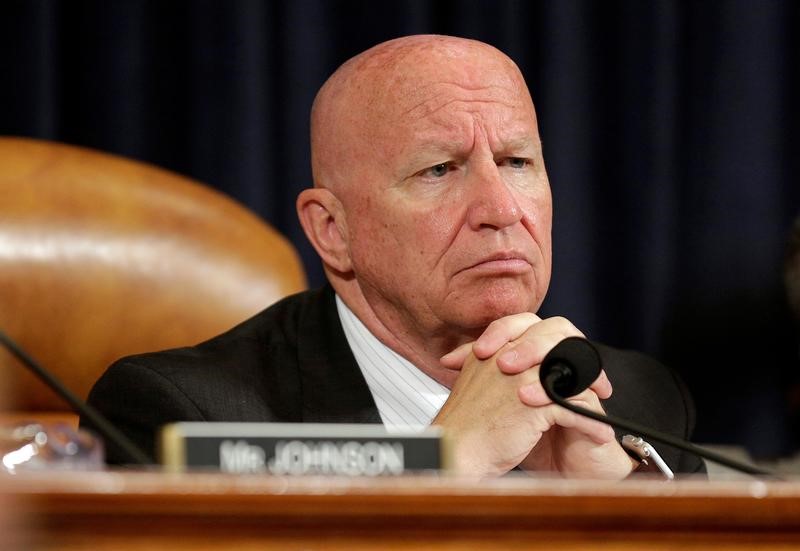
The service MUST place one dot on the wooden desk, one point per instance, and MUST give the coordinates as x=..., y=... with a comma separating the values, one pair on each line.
x=126, y=511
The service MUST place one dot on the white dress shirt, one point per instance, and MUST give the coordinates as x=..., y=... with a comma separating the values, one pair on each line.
x=406, y=397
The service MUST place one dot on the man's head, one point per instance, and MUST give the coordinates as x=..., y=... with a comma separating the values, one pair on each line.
x=431, y=208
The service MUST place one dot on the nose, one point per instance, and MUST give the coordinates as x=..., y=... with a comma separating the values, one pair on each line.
x=492, y=203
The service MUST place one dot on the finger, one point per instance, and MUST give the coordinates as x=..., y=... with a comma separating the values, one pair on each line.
x=526, y=353
x=502, y=331
x=532, y=393
x=531, y=347
x=602, y=386
x=455, y=358
x=598, y=432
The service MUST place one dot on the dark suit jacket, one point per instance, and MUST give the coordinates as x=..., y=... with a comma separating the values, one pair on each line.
x=292, y=363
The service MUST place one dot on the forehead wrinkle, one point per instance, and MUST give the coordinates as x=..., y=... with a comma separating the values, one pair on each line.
x=456, y=90
x=447, y=133
x=425, y=109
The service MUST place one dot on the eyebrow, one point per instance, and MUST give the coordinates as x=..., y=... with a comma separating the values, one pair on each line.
x=437, y=150
x=450, y=147
x=521, y=143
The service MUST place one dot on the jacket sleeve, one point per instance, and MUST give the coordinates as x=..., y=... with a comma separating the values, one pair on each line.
x=688, y=463
x=653, y=395
x=138, y=400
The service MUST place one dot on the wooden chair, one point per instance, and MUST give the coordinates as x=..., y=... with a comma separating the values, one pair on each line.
x=102, y=256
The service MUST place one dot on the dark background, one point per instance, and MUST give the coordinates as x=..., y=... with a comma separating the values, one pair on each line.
x=669, y=134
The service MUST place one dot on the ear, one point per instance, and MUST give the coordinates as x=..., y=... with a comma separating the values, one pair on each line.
x=324, y=223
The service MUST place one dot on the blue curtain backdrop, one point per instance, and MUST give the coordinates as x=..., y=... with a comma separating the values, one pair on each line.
x=669, y=131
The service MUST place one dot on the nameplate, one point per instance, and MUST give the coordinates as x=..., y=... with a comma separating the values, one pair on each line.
x=300, y=449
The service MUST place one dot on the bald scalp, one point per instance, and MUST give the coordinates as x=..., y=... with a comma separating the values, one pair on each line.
x=353, y=112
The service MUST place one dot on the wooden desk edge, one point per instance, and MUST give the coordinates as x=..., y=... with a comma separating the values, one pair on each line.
x=530, y=502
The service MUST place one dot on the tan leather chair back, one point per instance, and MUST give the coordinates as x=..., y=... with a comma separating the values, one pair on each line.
x=101, y=257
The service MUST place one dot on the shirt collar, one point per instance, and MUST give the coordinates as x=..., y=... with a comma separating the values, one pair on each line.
x=406, y=397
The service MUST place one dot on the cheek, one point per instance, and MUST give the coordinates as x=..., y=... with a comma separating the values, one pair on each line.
x=538, y=216
x=537, y=221
x=406, y=243
x=437, y=228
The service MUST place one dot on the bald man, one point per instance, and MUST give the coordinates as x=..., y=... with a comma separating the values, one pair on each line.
x=431, y=211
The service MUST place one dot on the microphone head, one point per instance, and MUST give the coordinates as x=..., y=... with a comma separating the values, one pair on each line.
x=572, y=366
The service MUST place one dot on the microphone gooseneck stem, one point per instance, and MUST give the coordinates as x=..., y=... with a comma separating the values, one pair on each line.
x=106, y=429
x=652, y=434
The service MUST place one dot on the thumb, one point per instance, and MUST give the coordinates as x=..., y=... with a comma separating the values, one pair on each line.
x=455, y=359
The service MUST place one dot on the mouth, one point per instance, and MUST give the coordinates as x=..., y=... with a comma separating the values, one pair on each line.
x=510, y=263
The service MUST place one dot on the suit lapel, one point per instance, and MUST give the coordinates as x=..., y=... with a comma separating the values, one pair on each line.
x=333, y=388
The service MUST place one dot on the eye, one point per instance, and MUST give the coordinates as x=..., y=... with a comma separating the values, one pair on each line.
x=516, y=162
x=437, y=171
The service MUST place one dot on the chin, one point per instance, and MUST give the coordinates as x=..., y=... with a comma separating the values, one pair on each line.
x=479, y=313
x=478, y=305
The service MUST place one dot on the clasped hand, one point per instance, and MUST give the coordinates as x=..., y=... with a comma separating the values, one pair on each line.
x=499, y=417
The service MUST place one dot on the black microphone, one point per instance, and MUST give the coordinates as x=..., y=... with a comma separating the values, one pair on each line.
x=103, y=426
x=574, y=364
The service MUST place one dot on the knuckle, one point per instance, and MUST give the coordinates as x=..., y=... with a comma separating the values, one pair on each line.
x=565, y=327
x=563, y=322
x=495, y=325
